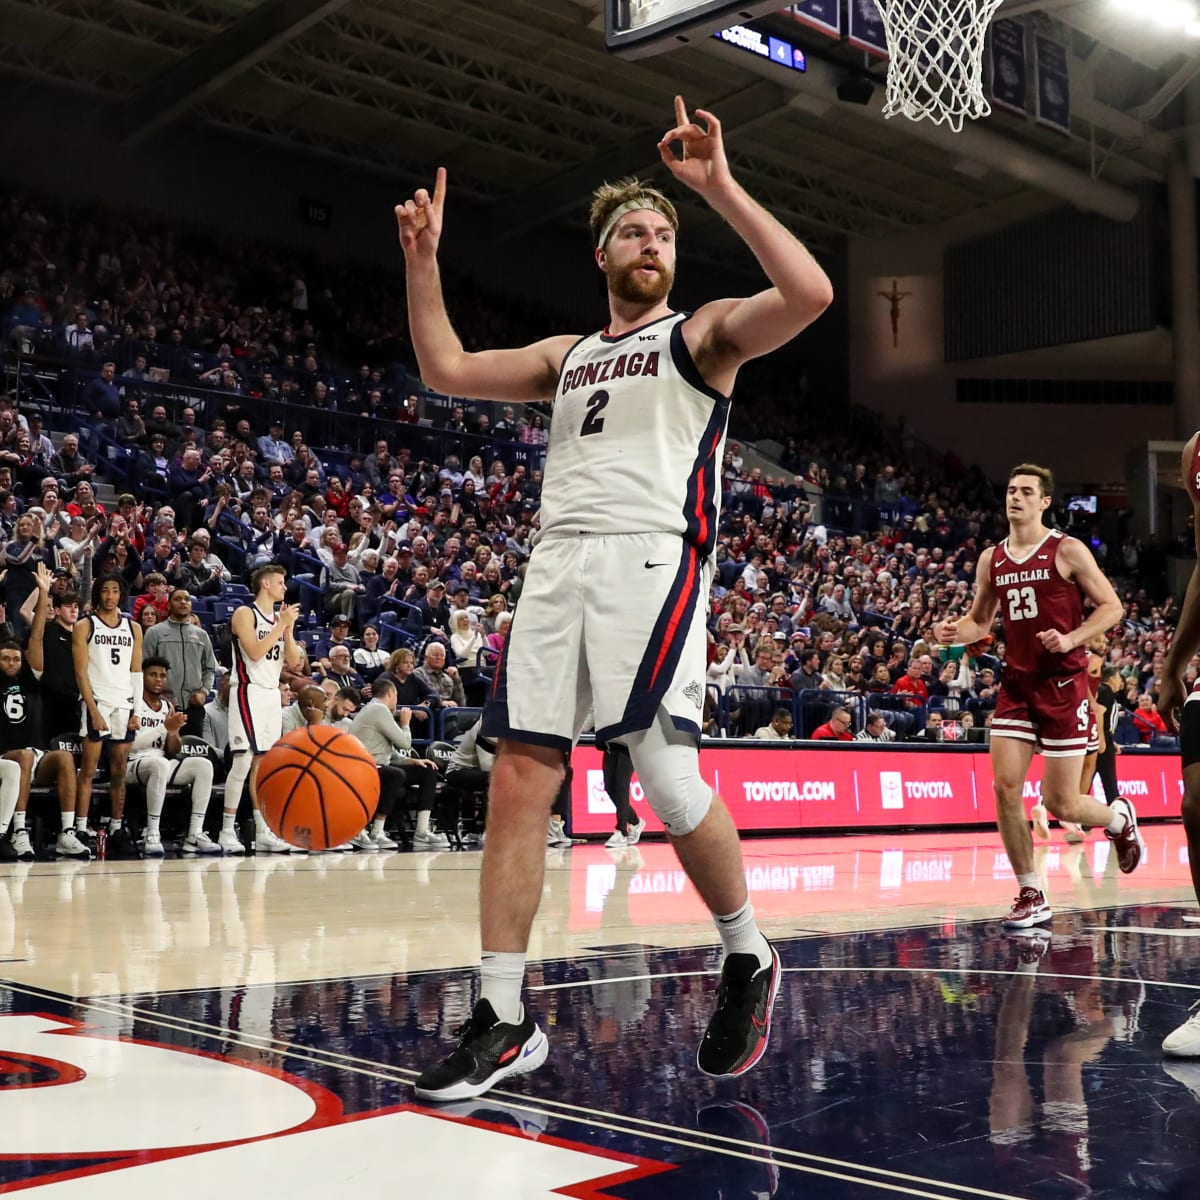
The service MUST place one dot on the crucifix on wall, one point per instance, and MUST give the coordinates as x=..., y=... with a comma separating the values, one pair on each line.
x=894, y=297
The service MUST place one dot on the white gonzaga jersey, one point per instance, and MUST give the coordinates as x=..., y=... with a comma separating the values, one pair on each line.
x=110, y=661
x=636, y=440
x=150, y=741
x=265, y=673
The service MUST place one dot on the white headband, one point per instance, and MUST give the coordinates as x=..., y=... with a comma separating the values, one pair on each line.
x=629, y=206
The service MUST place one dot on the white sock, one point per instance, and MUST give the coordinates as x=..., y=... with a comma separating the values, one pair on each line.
x=260, y=825
x=740, y=934
x=18, y=820
x=10, y=791
x=152, y=822
x=1030, y=880
x=1118, y=820
x=228, y=821
x=81, y=824
x=378, y=824
x=114, y=823
x=423, y=822
x=500, y=979
x=68, y=819
x=196, y=823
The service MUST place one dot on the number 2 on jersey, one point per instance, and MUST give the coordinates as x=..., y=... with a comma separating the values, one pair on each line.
x=1022, y=604
x=594, y=422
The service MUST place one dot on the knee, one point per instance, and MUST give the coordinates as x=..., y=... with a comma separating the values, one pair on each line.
x=674, y=789
x=1191, y=809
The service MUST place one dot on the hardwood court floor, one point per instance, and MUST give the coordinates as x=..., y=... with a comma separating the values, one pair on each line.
x=254, y=1026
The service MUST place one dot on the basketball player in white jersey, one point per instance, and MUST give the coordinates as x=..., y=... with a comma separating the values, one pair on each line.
x=613, y=609
x=153, y=764
x=107, y=649
x=262, y=638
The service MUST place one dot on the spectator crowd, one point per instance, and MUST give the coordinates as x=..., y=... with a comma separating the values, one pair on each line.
x=831, y=569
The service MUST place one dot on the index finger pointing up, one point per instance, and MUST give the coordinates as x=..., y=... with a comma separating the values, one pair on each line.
x=681, y=117
x=439, y=189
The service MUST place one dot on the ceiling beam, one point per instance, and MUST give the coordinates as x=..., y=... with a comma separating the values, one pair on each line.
x=636, y=155
x=221, y=59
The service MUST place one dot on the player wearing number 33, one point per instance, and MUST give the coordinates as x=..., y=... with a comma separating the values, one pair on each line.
x=1037, y=579
x=614, y=602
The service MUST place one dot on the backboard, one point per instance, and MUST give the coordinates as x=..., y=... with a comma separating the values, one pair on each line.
x=640, y=28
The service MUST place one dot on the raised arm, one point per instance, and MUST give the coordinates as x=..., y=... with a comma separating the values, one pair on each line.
x=34, y=651
x=977, y=624
x=530, y=373
x=730, y=332
x=1186, y=641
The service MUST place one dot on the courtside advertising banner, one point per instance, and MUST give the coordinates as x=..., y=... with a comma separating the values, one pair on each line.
x=857, y=788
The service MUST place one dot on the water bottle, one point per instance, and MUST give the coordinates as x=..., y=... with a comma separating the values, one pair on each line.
x=102, y=842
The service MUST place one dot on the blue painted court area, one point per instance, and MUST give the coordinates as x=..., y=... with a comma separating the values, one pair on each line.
x=944, y=1061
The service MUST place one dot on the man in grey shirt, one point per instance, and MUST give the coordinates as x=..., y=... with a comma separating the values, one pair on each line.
x=385, y=733
x=189, y=652
x=440, y=678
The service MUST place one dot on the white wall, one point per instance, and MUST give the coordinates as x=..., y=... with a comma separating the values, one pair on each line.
x=1080, y=444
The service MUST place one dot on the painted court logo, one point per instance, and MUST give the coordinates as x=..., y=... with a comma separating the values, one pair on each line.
x=891, y=789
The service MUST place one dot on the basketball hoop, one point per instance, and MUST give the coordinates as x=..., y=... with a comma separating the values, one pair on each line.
x=935, y=48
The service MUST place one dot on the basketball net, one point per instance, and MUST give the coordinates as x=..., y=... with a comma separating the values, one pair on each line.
x=935, y=51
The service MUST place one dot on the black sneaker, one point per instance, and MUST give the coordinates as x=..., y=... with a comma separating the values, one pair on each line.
x=489, y=1052
x=736, y=1037
x=755, y=1174
x=120, y=845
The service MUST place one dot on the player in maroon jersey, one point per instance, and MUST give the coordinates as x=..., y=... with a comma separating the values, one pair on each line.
x=1181, y=711
x=1037, y=579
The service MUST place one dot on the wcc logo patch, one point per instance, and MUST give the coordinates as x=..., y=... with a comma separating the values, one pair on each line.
x=695, y=693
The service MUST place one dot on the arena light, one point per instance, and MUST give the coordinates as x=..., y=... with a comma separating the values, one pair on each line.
x=1167, y=14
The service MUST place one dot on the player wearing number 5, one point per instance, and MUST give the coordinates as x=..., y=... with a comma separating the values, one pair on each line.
x=1037, y=579
x=262, y=639
x=107, y=648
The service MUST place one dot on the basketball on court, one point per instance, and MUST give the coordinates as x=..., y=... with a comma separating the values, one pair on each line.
x=317, y=787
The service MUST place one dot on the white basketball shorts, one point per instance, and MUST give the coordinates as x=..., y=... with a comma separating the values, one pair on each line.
x=614, y=623
x=117, y=720
x=255, y=718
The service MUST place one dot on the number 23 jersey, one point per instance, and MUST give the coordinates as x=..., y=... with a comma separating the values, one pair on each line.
x=1034, y=598
x=636, y=440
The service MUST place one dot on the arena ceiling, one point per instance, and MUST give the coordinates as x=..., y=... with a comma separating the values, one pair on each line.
x=520, y=99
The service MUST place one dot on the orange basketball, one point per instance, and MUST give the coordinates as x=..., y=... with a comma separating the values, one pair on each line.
x=318, y=787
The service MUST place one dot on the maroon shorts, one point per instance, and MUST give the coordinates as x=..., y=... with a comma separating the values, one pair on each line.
x=1053, y=712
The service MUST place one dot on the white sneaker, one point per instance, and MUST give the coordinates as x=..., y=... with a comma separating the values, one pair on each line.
x=363, y=841
x=202, y=844
x=618, y=841
x=69, y=846
x=1184, y=1042
x=1041, y=823
x=430, y=841
x=340, y=849
x=228, y=842
x=22, y=846
x=383, y=842
x=556, y=834
x=152, y=846
x=267, y=842
x=635, y=831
